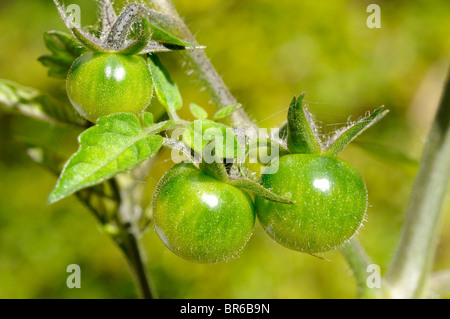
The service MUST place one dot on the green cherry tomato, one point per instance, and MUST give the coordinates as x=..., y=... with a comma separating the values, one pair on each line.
x=201, y=218
x=100, y=84
x=330, y=202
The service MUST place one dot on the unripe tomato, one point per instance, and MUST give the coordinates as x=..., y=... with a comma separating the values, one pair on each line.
x=330, y=202
x=201, y=218
x=100, y=84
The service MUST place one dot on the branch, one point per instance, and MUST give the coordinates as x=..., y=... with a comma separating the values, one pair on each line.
x=415, y=253
x=131, y=245
x=358, y=261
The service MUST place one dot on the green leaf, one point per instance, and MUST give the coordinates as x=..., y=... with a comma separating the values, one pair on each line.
x=226, y=111
x=214, y=169
x=63, y=44
x=32, y=103
x=161, y=35
x=155, y=47
x=88, y=41
x=163, y=126
x=343, y=137
x=146, y=119
x=58, y=68
x=198, y=112
x=50, y=146
x=162, y=26
x=100, y=199
x=283, y=132
x=258, y=189
x=302, y=136
x=214, y=139
x=116, y=144
x=166, y=90
x=64, y=48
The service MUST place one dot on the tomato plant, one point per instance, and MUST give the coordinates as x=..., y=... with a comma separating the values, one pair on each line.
x=204, y=207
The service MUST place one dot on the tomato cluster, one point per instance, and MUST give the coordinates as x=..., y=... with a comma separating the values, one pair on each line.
x=205, y=219
x=208, y=218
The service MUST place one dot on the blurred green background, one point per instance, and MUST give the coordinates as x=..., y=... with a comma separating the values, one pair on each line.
x=267, y=52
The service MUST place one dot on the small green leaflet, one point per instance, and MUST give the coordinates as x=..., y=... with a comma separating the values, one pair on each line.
x=211, y=137
x=146, y=118
x=117, y=143
x=258, y=189
x=162, y=26
x=64, y=48
x=161, y=35
x=198, y=112
x=226, y=111
x=97, y=198
x=215, y=169
x=166, y=90
x=302, y=134
x=343, y=137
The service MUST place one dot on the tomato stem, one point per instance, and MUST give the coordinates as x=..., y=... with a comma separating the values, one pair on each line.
x=359, y=262
x=413, y=259
x=133, y=252
x=130, y=242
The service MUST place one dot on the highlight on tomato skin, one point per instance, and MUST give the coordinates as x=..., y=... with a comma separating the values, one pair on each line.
x=331, y=202
x=100, y=84
x=200, y=218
